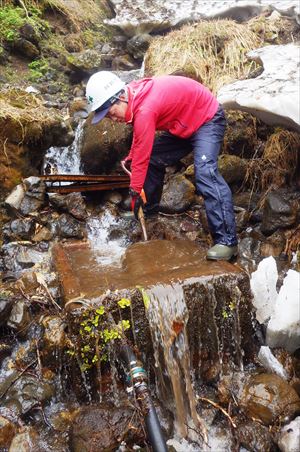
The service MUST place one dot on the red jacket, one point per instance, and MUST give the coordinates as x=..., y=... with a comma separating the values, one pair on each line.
x=176, y=104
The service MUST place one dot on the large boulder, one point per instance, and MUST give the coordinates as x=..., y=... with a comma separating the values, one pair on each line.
x=104, y=144
x=26, y=198
x=100, y=428
x=178, y=194
x=281, y=210
x=268, y=397
x=85, y=63
x=24, y=392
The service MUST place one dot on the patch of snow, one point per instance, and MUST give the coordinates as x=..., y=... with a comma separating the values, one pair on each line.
x=263, y=285
x=284, y=326
x=272, y=95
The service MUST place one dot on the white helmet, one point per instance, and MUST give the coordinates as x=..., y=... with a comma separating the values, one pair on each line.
x=101, y=87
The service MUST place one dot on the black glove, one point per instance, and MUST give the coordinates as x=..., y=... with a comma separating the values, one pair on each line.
x=136, y=202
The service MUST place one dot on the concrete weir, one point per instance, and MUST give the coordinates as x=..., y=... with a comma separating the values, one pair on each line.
x=176, y=293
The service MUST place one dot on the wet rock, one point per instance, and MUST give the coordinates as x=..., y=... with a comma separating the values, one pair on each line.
x=72, y=203
x=68, y=227
x=43, y=235
x=24, y=392
x=113, y=197
x=6, y=304
x=26, y=48
x=14, y=199
x=269, y=398
x=54, y=335
x=254, y=436
x=19, y=318
x=103, y=428
x=274, y=245
x=138, y=45
x=19, y=256
x=61, y=135
x=178, y=195
x=232, y=168
x=279, y=212
x=4, y=57
x=103, y=145
x=5, y=350
x=7, y=432
x=241, y=218
x=86, y=62
x=123, y=63
x=35, y=195
x=26, y=441
x=78, y=108
x=249, y=253
x=289, y=437
x=246, y=200
x=19, y=229
x=27, y=31
x=284, y=327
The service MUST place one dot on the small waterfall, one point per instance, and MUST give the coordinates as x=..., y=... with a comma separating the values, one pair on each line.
x=65, y=160
x=168, y=316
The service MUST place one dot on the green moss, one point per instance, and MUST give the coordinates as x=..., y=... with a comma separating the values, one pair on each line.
x=12, y=18
x=96, y=331
x=38, y=69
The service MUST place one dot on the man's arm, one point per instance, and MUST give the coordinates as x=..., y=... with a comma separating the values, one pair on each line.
x=143, y=138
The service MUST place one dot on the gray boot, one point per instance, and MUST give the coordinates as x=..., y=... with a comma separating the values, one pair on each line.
x=222, y=252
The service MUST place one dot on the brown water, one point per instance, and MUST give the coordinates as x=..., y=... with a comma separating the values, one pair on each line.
x=168, y=316
x=145, y=264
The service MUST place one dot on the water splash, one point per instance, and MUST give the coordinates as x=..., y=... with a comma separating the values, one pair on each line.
x=106, y=250
x=65, y=160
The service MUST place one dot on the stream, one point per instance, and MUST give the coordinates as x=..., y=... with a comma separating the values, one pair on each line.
x=190, y=321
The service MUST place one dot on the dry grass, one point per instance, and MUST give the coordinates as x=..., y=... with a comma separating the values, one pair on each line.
x=278, y=165
x=212, y=52
x=23, y=116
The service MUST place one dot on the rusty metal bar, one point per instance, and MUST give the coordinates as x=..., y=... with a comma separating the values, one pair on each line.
x=84, y=178
x=86, y=187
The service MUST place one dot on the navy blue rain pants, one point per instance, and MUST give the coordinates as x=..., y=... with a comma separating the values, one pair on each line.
x=205, y=143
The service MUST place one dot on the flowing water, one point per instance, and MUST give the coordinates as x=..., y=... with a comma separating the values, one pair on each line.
x=65, y=160
x=168, y=316
x=163, y=267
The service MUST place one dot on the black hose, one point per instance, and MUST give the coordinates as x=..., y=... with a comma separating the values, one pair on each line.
x=155, y=435
x=138, y=380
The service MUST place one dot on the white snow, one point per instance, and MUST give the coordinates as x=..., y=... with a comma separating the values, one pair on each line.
x=284, y=326
x=263, y=285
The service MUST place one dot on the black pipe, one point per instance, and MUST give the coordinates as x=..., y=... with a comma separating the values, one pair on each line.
x=137, y=379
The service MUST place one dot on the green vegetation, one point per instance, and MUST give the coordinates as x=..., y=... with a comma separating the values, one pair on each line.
x=97, y=331
x=38, y=69
x=13, y=18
